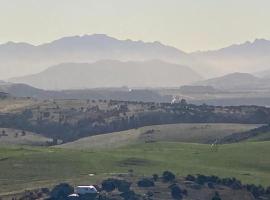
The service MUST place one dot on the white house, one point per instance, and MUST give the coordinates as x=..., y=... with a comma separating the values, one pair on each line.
x=81, y=190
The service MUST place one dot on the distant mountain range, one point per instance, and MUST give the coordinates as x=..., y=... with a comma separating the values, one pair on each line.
x=17, y=59
x=237, y=81
x=248, y=57
x=111, y=73
x=122, y=94
x=22, y=59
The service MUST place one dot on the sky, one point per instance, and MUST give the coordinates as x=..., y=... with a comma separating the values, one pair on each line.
x=189, y=25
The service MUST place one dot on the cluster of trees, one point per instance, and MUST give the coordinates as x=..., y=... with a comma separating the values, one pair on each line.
x=114, y=188
x=74, y=124
x=233, y=183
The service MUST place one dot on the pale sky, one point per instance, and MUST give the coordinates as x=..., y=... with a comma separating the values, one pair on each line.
x=189, y=25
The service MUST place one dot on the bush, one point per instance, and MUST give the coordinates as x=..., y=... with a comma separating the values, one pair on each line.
x=146, y=182
x=210, y=185
x=201, y=179
x=190, y=178
x=216, y=196
x=155, y=177
x=256, y=190
x=123, y=186
x=109, y=185
x=176, y=192
x=236, y=185
x=45, y=190
x=267, y=190
x=130, y=195
x=168, y=176
x=184, y=192
x=61, y=191
x=112, y=184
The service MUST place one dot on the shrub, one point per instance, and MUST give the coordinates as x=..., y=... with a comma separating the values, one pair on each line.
x=146, y=182
x=155, y=177
x=176, y=192
x=45, y=190
x=216, y=196
x=236, y=185
x=267, y=190
x=184, y=192
x=210, y=185
x=61, y=191
x=130, y=195
x=190, y=178
x=108, y=185
x=201, y=179
x=168, y=176
x=123, y=186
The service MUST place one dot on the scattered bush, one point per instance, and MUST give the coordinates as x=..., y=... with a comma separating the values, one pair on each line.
x=190, y=178
x=176, y=191
x=210, y=185
x=111, y=184
x=108, y=185
x=256, y=190
x=45, y=190
x=146, y=182
x=155, y=177
x=201, y=179
x=123, y=186
x=130, y=195
x=61, y=191
x=168, y=176
x=216, y=196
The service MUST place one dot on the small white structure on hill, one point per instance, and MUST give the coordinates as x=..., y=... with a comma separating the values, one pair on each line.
x=81, y=190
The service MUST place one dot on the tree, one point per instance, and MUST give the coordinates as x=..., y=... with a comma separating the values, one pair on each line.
x=176, y=192
x=108, y=185
x=61, y=191
x=155, y=177
x=23, y=133
x=168, y=176
x=146, y=182
x=216, y=196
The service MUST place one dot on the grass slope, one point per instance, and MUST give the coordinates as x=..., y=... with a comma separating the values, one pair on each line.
x=194, y=133
x=33, y=167
x=18, y=137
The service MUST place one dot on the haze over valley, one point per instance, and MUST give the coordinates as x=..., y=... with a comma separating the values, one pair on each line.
x=134, y=100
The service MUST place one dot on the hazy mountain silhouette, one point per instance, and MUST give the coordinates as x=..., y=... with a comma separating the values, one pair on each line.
x=248, y=57
x=17, y=59
x=122, y=94
x=111, y=73
x=233, y=81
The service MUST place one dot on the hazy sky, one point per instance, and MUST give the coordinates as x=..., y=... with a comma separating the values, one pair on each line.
x=186, y=24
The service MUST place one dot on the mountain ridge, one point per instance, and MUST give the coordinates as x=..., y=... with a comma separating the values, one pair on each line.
x=23, y=59
x=111, y=73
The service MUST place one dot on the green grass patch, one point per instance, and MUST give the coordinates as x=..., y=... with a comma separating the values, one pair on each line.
x=27, y=167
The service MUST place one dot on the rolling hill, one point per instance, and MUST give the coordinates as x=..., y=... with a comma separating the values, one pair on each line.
x=28, y=168
x=111, y=73
x=121, y=94
x=234, y=81
x=192, y=133
x=10, y=137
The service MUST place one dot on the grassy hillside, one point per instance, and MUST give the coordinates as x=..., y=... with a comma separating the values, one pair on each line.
x=15, y=104
x=69, y=120
x=261, y=137
x=19, y=137
x=34, y=167
x=194, y=133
